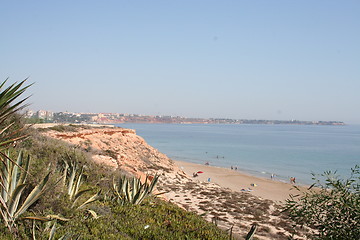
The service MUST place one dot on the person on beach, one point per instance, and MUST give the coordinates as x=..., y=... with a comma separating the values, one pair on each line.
x=292, y=180
x=195, y=174
x=272, y=176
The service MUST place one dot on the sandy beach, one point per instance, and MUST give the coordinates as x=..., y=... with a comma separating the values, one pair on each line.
x=232, y=199
x=239, y=181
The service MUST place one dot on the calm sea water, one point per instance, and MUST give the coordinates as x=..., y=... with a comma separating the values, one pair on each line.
x=260, y=150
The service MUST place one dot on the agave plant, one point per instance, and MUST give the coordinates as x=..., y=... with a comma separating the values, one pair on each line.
x=132, y=190
x=72, y=180
x=12, y=185
x=9, y=106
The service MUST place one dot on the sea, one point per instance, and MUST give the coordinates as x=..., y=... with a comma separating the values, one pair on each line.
x=260, y=150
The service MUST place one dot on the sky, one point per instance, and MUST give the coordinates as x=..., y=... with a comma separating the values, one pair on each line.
x=195, y=58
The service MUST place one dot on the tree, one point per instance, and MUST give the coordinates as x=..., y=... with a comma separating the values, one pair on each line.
x=331, y=209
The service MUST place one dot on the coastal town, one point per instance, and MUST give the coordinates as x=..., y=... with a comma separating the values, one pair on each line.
x=117, y=118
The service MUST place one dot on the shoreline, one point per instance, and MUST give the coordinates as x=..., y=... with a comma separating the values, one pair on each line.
x=274, y=190
x=280, y=177
x=222, y=201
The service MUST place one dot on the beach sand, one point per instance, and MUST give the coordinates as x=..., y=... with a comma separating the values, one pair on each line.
x=236, y=181
x=222, y=202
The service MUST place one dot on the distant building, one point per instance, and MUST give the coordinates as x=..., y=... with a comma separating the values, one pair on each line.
x=43, y=114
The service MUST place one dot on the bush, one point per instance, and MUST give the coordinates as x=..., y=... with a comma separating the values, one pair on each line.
x=155, y=219
x=331, y=209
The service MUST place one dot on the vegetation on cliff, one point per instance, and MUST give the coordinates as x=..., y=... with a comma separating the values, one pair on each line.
x=54, y=191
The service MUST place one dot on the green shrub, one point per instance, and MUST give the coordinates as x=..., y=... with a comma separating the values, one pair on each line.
x=332, y=209
x=154, y=219
x=64, y=128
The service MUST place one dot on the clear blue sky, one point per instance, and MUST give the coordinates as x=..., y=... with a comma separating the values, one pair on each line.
x=195, y=58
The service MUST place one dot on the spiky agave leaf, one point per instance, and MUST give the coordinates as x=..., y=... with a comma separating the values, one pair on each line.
x=4, y=210
x=93, y=213
x=5, y=179
x=133, y=190
x=90, y=200
x=65, y=172
x=52, y=231
x=79, y=194
x=78, y=183
x=9, y=106
x=33, y=196
x=153, y=183
x=15, y=198
x=72, y=177
x=25, y=169
x=6, y=143
x=127, y=192
x=47, y=218
x=8, y=96
x=16, y=176
x=33, y=230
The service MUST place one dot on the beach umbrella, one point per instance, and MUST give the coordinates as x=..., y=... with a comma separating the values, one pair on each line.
x=200, y=172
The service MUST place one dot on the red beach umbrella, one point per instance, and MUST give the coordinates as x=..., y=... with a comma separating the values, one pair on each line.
x=200, y=172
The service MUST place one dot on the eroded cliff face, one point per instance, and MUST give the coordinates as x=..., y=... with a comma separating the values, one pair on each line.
x=121, y=149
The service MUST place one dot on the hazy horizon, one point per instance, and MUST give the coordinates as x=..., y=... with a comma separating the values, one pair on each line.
x=273, y=60
x=140, y=114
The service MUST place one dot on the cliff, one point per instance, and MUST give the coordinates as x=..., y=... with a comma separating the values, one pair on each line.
x=122, y=150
